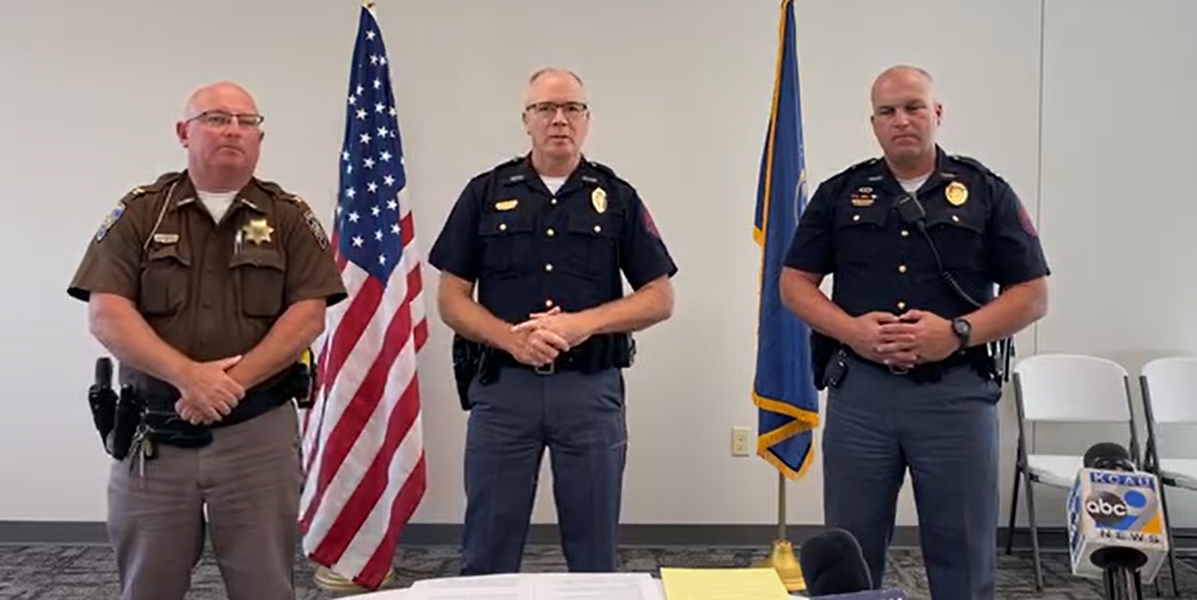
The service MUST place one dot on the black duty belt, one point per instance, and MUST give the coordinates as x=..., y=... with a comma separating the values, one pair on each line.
x=926, y=372
x=593, y=355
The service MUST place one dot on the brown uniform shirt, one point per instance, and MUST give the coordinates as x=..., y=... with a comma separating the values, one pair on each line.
x=210, y=290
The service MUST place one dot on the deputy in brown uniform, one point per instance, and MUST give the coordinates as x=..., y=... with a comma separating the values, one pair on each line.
x=207, y=286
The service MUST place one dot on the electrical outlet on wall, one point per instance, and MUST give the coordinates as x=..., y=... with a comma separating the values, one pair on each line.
x=741, y=441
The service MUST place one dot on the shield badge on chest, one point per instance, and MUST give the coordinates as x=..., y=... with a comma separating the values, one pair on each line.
x=956, y=193
x=598, y=199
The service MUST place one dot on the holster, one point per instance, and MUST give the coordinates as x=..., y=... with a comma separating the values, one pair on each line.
x=468, y=358
x=102, y=400
x=822, y=348
x=130, y=408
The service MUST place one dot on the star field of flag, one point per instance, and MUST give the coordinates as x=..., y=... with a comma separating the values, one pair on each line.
x=372, y=171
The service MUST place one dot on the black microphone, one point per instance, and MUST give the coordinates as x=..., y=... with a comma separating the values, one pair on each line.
x=1119, y=561
x=911, y=211
x=832, y=563
x=1109, y=456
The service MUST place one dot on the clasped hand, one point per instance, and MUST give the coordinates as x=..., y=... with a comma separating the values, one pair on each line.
x=208, y=393
x=545, y=335
x=903, y=341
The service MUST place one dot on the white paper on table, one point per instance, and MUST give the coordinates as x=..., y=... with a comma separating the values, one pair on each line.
x=597, y=586
x=481, y=587
x=541, y=586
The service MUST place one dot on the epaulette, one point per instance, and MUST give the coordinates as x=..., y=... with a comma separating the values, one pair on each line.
x=609, y=173
x=274, y=189
x=974, y=163
x=309, y=217
x=864, y=164
x=158, y=185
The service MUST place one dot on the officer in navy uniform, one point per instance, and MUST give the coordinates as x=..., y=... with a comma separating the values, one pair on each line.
x=545, y=238
x=905, y=349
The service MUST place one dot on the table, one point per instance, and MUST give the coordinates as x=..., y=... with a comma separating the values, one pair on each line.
x=405, y=594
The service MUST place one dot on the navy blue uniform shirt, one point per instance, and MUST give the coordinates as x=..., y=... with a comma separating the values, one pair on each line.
x=530, y=250
x=851, y=228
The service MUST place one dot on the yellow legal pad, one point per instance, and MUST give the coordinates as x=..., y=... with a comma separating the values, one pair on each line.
x=722, y=584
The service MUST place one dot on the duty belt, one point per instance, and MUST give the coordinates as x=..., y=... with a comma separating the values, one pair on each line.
x=928, y=372
x=593, y=355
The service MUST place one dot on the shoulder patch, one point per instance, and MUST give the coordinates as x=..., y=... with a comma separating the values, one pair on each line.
x=113, y=216
x=313, y=223
x=1025, y=221
x=309, y=218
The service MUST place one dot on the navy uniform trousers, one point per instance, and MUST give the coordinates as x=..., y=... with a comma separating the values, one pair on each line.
x=879, y=423
x=580, y=418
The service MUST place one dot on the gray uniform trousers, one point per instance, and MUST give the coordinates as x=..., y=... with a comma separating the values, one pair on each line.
x=580, y=418
x=249, y=477
x=877, y=425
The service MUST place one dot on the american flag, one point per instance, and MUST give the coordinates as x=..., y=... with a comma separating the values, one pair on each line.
x=363, y=439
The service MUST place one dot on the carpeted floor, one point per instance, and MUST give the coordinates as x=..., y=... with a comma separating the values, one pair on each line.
x=87, y=572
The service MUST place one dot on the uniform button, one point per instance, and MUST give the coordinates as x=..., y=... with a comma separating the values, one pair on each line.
x=502, y=227
x=855, y=217
x=598, y=228
x=955, y=219
x=548, y=267
x=905, y=233
x=553, y=201
x=901, y=268
x=901, y=305
x=548, y=303
x=549, y=232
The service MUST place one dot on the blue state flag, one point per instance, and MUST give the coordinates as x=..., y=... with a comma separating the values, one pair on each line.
x=783, y=387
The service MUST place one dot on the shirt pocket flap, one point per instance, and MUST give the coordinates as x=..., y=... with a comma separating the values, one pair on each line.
x=268, y=259
x=961, y=219
x=504, y=223
x=595, y=225
x=168, y=252
x=858, y=216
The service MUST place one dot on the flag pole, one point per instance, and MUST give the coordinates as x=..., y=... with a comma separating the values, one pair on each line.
x=781, y=556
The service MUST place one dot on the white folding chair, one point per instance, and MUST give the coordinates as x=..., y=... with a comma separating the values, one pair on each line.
x=1063, y=388
x=1169, y=387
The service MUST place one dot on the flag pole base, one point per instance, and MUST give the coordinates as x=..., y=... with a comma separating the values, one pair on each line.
x=329, y=581
x=782, y=559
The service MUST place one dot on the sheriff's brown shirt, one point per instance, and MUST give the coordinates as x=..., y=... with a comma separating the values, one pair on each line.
x=211, y=290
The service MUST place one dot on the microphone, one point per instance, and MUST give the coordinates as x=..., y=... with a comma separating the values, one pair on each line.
x=1115, y=523
x=834, y=568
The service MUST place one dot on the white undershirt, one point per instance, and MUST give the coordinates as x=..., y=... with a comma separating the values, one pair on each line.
x=912, y=185
x=217, y=203
x=553, y=183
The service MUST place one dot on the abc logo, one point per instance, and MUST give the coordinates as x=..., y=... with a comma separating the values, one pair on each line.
x=1106, y=508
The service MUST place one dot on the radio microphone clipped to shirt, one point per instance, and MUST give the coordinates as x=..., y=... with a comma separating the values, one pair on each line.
x=1116, y=529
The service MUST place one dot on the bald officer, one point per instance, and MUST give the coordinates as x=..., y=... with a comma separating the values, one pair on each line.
x=911, y=381
x=545, y=238
x=207, y=285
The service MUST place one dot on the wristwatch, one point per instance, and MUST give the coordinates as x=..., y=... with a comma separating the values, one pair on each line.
x=962, y=328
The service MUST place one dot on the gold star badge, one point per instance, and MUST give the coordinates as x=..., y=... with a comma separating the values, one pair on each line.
x=956, y=193
x=257, y=231
x=598, y=198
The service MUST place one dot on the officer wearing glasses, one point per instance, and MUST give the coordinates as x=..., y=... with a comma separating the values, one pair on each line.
x=207, y=285
x=544, y=239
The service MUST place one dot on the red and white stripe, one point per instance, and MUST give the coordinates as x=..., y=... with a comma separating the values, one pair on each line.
x=363, y=444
